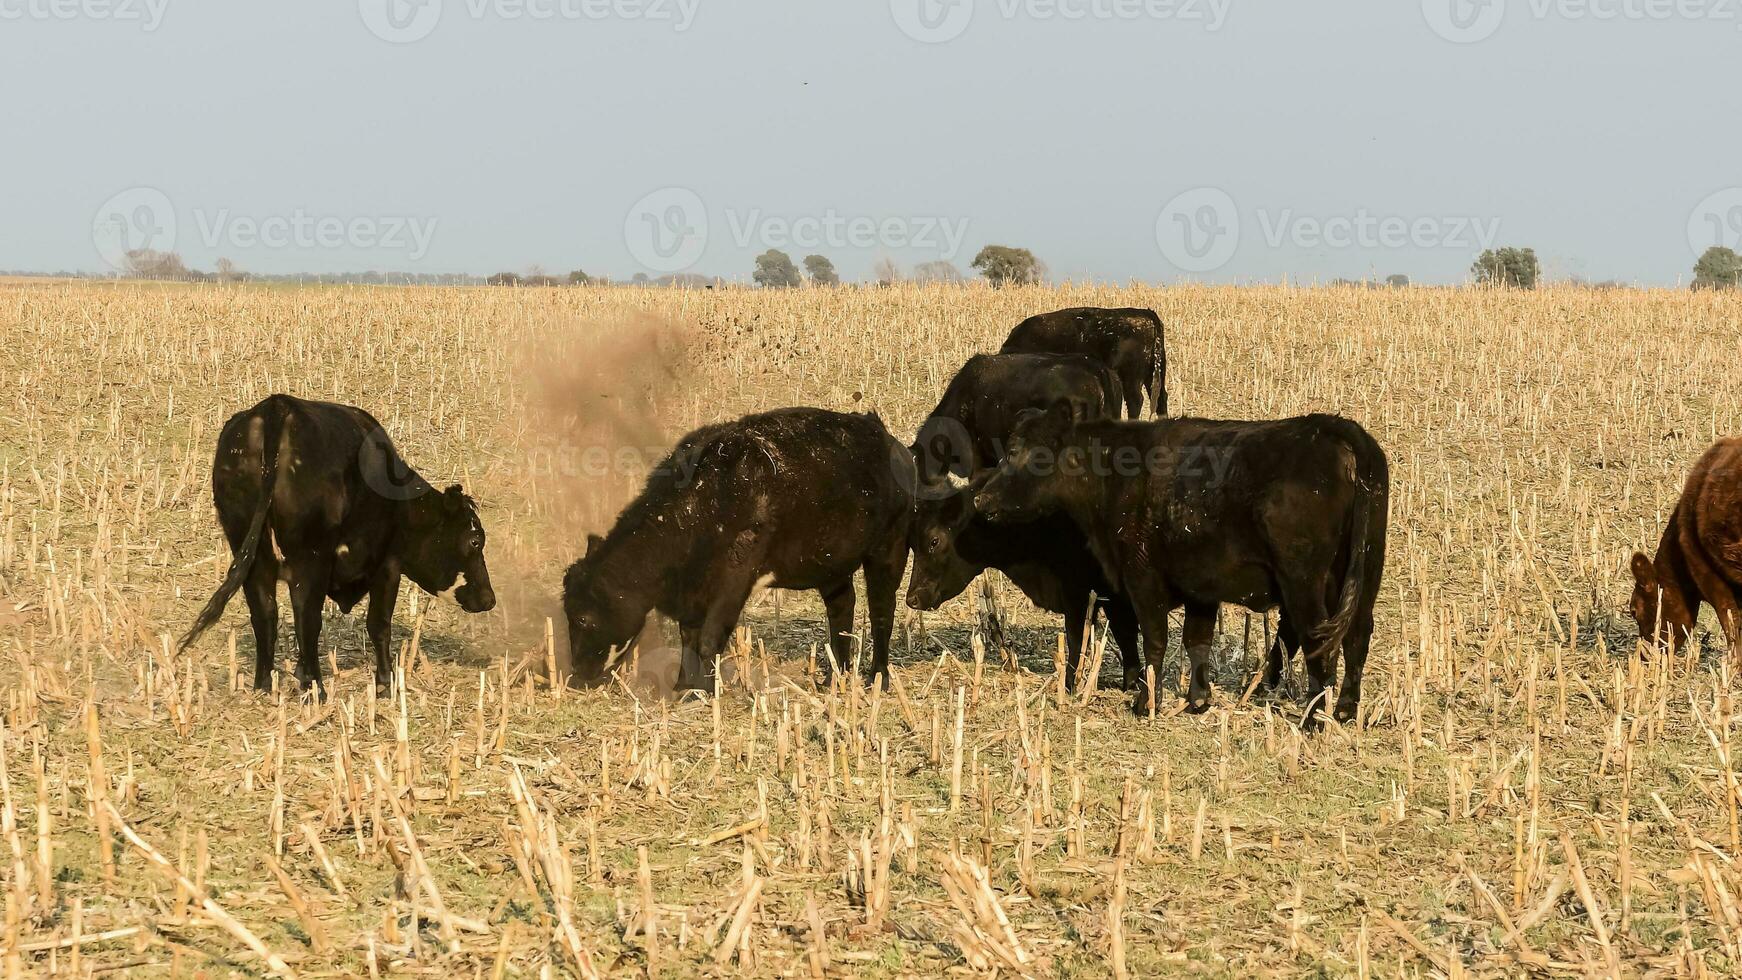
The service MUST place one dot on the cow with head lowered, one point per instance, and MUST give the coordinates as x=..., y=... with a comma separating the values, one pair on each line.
x=1047, y=559
x=797, y=498
x=1195, y=513
x=1131, y=341
x=314, y=494
x=1699, y=558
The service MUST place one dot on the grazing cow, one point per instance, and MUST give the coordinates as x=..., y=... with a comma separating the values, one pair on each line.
x=1699, y=558
x=965, y=433
x=1131, y=341
x=1047, y=559
x=797, y=498
x=314, y=494
x=1196, y=513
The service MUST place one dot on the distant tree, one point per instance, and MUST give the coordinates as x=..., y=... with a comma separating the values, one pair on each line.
x=821, y=271
x=504, y=279
x=1004, y=265
x=774, y=268
x=886, y=271
x=639, y=279
x=540, y=280
x=1718, y=268
x=145, y=263
x=225, y=271
x=936, y=271
x=1507, y=267
x=579, y=278
x=1397, y=281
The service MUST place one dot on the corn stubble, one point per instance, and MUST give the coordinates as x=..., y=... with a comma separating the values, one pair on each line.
x=1519, y=794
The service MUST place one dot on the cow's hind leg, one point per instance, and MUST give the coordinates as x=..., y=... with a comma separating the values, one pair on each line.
x=882, y=580
x=261, y=590
x=1355, y=644
x=1132, y=384
x=1303, y=605
x=308, y=595
x=838, y=600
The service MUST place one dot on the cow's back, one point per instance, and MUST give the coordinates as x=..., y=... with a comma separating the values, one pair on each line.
x=819, y=481
x=1111, y=335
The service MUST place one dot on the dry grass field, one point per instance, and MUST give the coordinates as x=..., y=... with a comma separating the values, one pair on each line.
x=1522, y=795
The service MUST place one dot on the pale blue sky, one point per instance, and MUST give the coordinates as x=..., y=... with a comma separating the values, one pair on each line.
x=499, y=141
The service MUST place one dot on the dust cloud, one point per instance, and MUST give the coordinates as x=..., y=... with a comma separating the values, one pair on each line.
x=598, y=408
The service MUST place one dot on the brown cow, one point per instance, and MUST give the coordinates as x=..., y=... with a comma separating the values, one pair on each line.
x=1700, y=556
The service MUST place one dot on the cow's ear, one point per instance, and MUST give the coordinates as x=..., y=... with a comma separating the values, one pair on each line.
x=1643, y=571
x=454, y=497
x=1081, y=410
x=1027, y=414
x=1062, y=412
x=593, y=541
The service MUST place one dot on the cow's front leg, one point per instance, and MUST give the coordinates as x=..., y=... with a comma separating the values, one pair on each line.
x=1150, y=599
x=1199, y=631
x=383, y=596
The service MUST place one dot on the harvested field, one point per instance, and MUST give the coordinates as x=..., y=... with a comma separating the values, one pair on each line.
x=1522, y=793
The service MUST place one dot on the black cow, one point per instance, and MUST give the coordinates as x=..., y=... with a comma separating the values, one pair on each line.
x=965, y=433
x=1196, y=513
x=1131, y=341
x=1047, y=559
x=797, y=498
x=314, y=494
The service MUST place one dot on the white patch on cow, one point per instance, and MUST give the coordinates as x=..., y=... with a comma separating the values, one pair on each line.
x=956, y=481
x=343, y=552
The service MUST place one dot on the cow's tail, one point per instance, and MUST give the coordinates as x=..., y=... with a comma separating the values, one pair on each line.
x=1158, y=373
x=243, y=560
x=1366, y=532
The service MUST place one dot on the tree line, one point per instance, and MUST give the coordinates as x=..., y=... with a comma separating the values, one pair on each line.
x=1719, y=267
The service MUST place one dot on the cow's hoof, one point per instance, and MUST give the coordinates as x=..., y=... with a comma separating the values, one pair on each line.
x=1197, y=706
x=1140, y=706
x=1130, y=681
x=880, y=676
x=1345, y=713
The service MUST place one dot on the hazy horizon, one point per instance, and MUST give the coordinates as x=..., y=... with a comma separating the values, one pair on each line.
x=1156, y=140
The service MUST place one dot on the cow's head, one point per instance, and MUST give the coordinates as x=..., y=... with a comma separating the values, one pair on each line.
x=602, y=623
x=1658, y=602
x=1040, y=464
x=940, y=573
x=444, y=541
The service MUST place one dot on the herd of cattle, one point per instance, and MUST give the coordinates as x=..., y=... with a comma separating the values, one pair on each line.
x=1025, y=466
